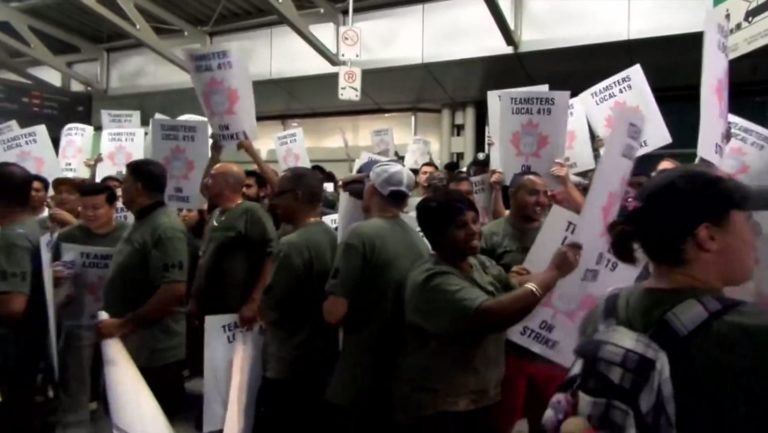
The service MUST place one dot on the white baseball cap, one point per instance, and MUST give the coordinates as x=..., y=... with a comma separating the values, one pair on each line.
x=389, y=176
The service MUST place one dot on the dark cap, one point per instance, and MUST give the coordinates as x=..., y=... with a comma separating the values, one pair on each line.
x=482, y=160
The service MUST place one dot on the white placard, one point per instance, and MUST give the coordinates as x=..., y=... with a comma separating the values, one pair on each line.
x=32, y=149
x=713, y=110
x=90, y=268
x=119, y=147
x=291, y=150
x=350, y=83
x=579, y=156
x=331, y=220
x=46, y=242
x=350, y=41
x=493, y=99
x=9, y=126
x=132, y=406
x=221, y=333
x=75, y=147
x=118, y=119
x=746, y=156
x=160, y=116
x=748, y=25
x=418, y=152
x=628, y=89
x=122, y=214
x=551, y=330
x=532, y=131
x=383, y=141
x=244, y=382
x=481, y=189
x=182, y=147
x=225, y=90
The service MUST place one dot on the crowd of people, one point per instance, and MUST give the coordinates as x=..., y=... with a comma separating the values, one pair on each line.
x=391, y=329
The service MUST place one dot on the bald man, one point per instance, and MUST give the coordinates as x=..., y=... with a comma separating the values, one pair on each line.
x=236, y=255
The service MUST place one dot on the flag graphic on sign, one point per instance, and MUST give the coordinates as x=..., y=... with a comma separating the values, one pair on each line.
x=177, y=163
x=219, y=98
x=119, y=157
x=618, y=106
x=609, y=208
x=291, y=158
x=34, y=164
x=529, y=141
x=71, y=150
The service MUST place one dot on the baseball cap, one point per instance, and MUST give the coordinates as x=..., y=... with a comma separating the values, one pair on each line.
x=481, y=160
x=390, y=176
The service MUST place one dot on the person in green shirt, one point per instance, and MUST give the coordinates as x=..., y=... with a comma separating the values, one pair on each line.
x=300, y=349
x=77, y=311
x=23, y=320
x=696, y=229
x=365, y=297
x=145, y=291
x=458, y=305
x=236, y=253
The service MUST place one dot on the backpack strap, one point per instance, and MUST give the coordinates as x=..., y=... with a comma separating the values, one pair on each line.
x=610, y=311
x=689, y=315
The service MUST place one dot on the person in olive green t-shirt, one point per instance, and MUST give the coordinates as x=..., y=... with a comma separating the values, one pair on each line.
x=237, y=248
x=365, y=297
x=458, y=305
x=299, y=347
x=77, y=312
x=146, y=287
x=23, y=320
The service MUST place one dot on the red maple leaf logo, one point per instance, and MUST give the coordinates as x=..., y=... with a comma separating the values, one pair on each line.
x=120, y=156
x=721, y=93
x=611, y=207
x=70, y=150
x=178, y=165
x=35, y=164
x=291, y=158
x=219, y=99
x=570, y=140
x=529, y=142
x=616, y=107
x=734, y=162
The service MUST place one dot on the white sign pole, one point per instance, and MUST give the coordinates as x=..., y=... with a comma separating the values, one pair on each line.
x=46, y=241
x=244, y=383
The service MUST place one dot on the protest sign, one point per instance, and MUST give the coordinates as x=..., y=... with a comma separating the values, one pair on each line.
x=551, y=330
x=89, y=267
x=75, y=146
x=225, y=90
x=383, y=141
x=244, y=382
x=713, y=107
x=332, y=220
x=481, y=189
x=748, y=24
x=493, y=99
x=532, y=131
x=119, y=147
x=119, y=119
x=350, y=208
x=182, y=147
x=9, y=126
x=132, y=406
x=32, y=149
x=626, y=90
x=46, y=242
x=290, y=149
x=222, y=332
x=746, y=156
x=418, y=152
x=122, y=214
x=579, y=156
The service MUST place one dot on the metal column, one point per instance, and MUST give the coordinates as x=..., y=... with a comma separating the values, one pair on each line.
x=470, y=131
x=446, y=132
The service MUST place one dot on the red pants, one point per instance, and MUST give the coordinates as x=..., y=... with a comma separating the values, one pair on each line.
x=527, y=386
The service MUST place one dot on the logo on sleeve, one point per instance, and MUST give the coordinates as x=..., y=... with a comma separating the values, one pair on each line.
x=7, y=276
x=173, y=266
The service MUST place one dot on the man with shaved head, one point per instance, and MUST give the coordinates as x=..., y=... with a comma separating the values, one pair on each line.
x=236, y=255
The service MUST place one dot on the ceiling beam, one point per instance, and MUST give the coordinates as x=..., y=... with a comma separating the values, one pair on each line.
x=286, y=10
x=9, y=64
x=511, y=38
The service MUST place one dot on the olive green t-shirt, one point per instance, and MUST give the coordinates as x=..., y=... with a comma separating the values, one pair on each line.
x=506, y=244
x=236, y=244
x=152, y=253
x=719, y=373
x=442, y=367
x=79, y=234
x=298, y=342
x=370, y=271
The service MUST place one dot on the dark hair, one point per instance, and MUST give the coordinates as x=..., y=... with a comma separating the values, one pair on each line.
x=670, y=208
x=93, y=189
x=320, y=169
x=437, y=213
x=458, y=178
x=198, y=229
x=46, y=183
x=307, y=182
x=518, y=178
x=429, y=164
x=16, y=184
x=397, y=199
x=261, y=181
x=451, y=166
x=150, y=174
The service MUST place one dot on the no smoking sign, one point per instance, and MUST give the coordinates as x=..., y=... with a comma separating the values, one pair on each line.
x=349, y=43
